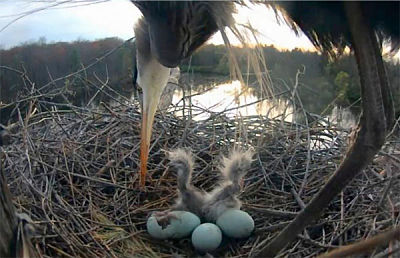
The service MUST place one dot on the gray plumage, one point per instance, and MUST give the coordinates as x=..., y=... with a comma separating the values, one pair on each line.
x=210, y=205
x=325, y=22
x=189, y=197
x=178, y=28
x=224, y=197
x=175, y=29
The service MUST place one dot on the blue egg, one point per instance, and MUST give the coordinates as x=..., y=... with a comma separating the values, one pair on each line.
x=236, y=223
x=181, y=224
x=206, y=237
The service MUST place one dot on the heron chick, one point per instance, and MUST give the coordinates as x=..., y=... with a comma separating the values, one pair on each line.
x=210, y=205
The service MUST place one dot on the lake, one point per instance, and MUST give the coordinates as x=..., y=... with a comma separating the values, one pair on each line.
x=235, y=100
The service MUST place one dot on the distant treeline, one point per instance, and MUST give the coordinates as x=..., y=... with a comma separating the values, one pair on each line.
x=323, y=81
x=43, y=63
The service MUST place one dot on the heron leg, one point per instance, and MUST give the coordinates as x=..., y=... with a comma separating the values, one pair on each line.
x=374, y=124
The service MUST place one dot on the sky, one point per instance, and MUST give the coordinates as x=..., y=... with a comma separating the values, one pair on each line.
x=23, y=21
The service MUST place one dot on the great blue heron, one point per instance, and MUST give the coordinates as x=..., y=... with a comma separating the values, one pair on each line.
x=171, y=31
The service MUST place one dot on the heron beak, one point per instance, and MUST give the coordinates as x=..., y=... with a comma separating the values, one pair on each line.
x=153, y=82
x=149, y=110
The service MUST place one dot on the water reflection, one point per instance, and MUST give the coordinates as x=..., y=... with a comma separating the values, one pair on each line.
x=343, y=117
x=235, y=100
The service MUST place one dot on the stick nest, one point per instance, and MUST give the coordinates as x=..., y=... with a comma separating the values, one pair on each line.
x=75, y=172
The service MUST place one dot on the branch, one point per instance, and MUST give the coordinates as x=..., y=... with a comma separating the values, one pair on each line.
x=365, y=245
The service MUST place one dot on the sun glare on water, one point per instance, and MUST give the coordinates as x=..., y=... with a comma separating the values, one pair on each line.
x=233, y=99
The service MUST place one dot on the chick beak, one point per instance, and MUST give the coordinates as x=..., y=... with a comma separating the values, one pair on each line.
x=153, y=82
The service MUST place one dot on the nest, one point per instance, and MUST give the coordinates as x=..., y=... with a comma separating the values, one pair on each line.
x=75, y=172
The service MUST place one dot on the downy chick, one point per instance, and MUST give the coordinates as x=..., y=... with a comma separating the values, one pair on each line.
x=224, y=197
x=209, y=206
x=190, y=198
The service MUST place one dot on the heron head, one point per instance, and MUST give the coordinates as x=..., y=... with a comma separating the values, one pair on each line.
x=177, y=28
x=169, y=32
x=152, y=77
x=166, y=42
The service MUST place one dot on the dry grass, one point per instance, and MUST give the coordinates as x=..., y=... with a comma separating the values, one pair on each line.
x=75, y=172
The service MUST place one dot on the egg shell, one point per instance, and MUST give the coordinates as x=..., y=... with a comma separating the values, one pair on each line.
x=206, y=237
x=236, y=223
x=182, y=223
